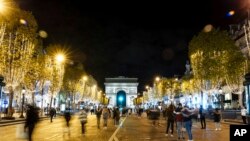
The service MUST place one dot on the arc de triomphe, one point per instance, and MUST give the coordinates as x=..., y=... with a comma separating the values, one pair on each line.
x=121, y=91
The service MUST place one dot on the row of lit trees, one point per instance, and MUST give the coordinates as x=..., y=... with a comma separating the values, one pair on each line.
x=18, y=44
x=216, y=62
x=26, y=64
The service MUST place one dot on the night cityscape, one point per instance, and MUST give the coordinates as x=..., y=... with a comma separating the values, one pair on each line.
x=72, y=70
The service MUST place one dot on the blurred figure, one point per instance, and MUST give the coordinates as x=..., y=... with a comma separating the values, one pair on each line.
x=179, y=121
x=105, y=115
x=83, y=120
x=170, y=119
x=154, y=116
x=202, y=117
x=116, y=116
x=187, y=119
x=217, y=117
x=129, y=111
x=98, y=116
x=52, y=113
x=92, y=110
x=32, y=117
x=67, y=117
x=243, y=114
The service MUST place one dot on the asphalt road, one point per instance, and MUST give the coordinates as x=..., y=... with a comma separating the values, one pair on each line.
x=132, y=128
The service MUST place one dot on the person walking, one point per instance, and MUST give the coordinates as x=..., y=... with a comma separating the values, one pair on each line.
x=179, y=121
x=83, y=120
x=170, y=119
x=32, y=117
x=154, y=116
x=116, y=116
x=67, y=117
x=187, y=119
x=243, y=114
x=105, y=115
x=98, y=116
x=217, y=117
x=52, y=114
x=202, y=117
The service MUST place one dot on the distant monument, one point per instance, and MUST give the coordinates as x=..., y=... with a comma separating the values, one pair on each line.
x=121, y=91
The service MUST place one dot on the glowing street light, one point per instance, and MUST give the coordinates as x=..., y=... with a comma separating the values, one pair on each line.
x=23, y=21
x=85, y=78
x=60, y=58
x=3, y=6
x=43, y=34
x=157, y=79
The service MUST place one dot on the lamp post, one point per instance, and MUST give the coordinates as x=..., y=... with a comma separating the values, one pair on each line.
x=23, y=92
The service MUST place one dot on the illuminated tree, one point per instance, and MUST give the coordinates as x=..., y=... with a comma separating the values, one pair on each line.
x=72, y=79
x=18, y=42
x=57, y=58
x=216, y=60
x=171, y=86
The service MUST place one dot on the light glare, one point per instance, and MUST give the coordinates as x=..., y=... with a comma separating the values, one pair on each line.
x=60, y=58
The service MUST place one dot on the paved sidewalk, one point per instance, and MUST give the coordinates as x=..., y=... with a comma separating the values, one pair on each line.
x=17, y=120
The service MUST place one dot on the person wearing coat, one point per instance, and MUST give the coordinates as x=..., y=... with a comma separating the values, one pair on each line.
x=83, y=120
x=32, y=117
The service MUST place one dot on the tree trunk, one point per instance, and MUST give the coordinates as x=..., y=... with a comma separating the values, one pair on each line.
x=222, y=102
x=10, y=109
x=33, y=98
x=74, y=101
x=68, y=99
x=201, y=98
x=42, y=109
x=51, y=99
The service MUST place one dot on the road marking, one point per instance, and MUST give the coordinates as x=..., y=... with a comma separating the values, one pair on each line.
x=113, y=137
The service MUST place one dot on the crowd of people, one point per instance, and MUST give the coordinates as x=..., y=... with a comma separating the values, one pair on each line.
x=181, y=117
x=176, y=116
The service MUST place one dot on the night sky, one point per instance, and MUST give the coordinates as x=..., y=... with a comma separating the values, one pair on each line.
x=142, y=40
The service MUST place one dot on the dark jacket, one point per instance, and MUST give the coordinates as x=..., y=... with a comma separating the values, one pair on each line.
x=202, y=113
x=170, y=114
x=186, y=115
x=32, y=116
x=217, y=116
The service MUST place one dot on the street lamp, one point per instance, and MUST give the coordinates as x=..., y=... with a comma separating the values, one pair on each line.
x=4, y=6
x=60, y=58
x=157, y=79
x=23, y=92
